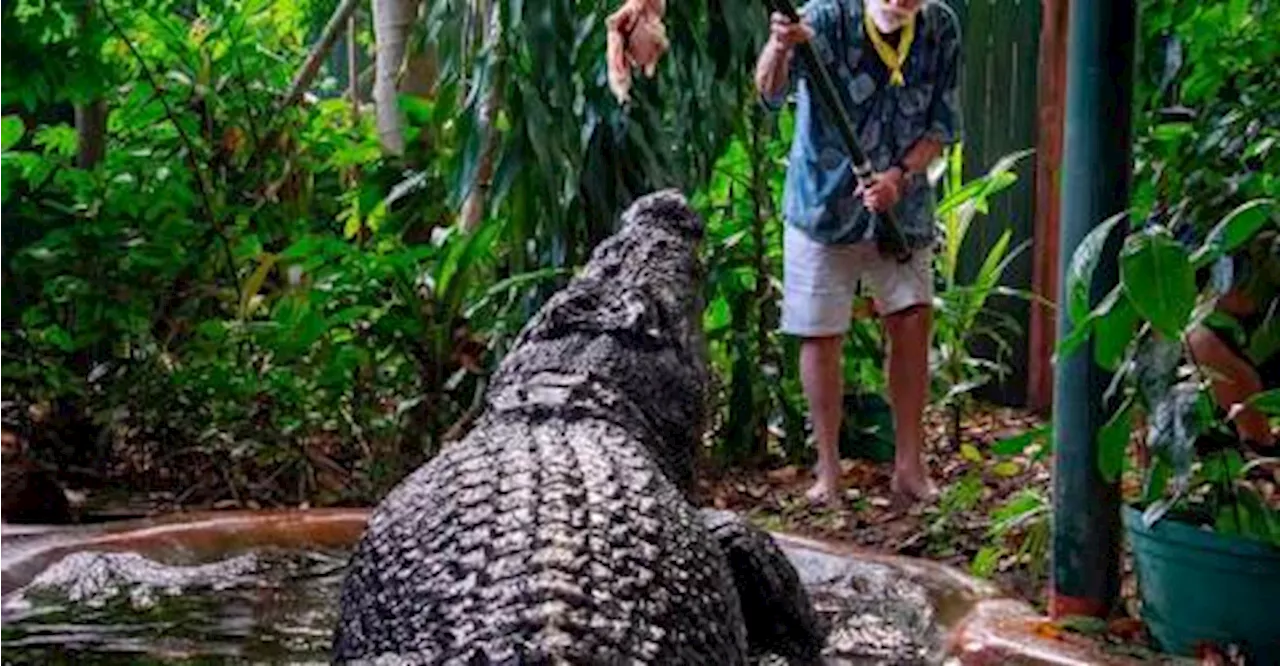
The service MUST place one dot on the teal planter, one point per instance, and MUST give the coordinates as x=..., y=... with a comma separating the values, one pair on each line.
x=1198, y=586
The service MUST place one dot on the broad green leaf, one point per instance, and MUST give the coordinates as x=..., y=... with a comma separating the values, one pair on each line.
x=1157, y=274
x=1220, y=320
x=1171, y=131
x=1248, y=516
x=1157, y=480
x=1083, y=262
x=11, y=132
x=1223, y=467
x=1235, y=229
x=1018, y=443
x=1081, y=329
x=1115, y=327
x=1267, y=402
x=1113, y=441
x=1007, y=468
x=970, y=452
x=717, y=316
x=1265, y=341
x=59, y=337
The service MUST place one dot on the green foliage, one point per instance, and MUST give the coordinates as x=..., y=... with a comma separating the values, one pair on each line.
x=1206, y=184
x=759, y=384
x=962, y=317
x=249, y=301
x=219, y=296
x=1208, y=117
x=1019, y=535
x=1154, y=307
x=570, y=158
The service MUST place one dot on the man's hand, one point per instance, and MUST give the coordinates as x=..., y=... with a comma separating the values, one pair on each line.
x=882, y=190
x=787, y=34
x=771, y=67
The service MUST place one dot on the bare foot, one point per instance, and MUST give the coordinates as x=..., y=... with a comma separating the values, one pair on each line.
x=914, y=484
x=825, y=491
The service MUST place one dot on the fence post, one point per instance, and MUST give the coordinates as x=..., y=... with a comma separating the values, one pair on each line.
x=1051, y=102
x=1096, y=173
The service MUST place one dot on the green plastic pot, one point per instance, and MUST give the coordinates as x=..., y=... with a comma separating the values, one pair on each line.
x=1198, y=587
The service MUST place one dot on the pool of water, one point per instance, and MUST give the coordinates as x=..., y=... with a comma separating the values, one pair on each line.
x=137, y=599
x=268, y=607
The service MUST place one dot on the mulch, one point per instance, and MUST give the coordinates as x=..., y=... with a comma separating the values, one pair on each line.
x=973, y=482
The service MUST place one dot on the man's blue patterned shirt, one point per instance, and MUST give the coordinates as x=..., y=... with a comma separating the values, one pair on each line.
x=819, y=195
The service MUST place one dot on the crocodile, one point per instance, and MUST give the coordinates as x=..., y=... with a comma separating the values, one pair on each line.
x=560, y=529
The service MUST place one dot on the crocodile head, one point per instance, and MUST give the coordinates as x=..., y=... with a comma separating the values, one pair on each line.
x=624, y=337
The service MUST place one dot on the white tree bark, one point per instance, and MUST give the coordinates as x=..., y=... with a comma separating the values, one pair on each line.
x=391, y=22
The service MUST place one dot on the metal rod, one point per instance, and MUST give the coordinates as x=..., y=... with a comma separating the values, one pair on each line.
x=1095, y=185
x=894, y=243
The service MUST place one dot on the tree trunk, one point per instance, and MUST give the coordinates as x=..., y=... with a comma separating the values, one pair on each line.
x=91, y=118
x=391, y=22
x=474, y=206
x=91, y=133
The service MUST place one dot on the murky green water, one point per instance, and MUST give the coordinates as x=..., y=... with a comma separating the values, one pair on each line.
x=279, y=610
x=280, y=607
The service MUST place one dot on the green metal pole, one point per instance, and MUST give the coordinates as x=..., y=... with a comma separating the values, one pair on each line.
x=1096, y=174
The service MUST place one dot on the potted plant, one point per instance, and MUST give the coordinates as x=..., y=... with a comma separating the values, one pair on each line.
x=1206, y=545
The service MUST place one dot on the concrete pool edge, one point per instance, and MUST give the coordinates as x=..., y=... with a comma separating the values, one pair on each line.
x=981, y=626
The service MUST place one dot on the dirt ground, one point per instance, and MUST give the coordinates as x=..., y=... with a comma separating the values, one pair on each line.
x=973, y=482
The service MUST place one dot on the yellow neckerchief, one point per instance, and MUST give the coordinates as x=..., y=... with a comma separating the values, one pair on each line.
x=894, y=60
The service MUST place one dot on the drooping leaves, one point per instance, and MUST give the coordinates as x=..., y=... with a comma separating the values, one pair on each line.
x=1157, y=275
x=11, y=132
x=1113, y=440
x=1235, y=229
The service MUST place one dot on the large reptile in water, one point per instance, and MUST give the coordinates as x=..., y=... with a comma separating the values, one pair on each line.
x=559, y=530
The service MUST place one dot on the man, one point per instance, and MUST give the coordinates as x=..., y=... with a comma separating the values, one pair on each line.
x=896, y=64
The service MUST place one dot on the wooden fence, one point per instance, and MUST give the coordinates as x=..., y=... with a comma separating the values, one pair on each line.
x=1000, y=98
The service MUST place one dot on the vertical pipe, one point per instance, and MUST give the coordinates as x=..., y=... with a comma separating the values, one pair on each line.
x=1096, y=174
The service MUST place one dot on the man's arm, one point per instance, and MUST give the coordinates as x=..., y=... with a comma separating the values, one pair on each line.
x=775, y=67
x=772, y=69
x=920, y=155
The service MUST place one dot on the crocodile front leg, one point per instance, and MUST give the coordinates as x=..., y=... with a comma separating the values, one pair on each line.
x=779, y=614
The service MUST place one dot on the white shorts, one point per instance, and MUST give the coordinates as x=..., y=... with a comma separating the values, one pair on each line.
x=820, y=282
